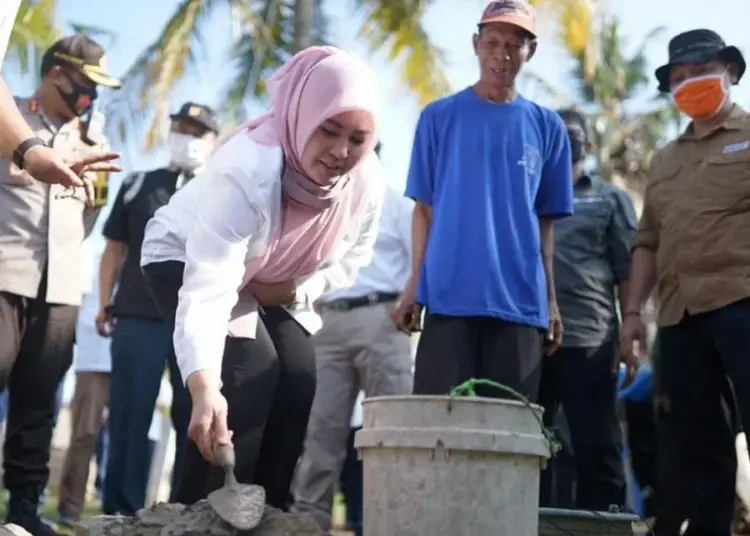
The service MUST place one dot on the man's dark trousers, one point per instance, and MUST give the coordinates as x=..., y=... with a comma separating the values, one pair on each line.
x=454, y=349
x=584, y=381
x=36, y=350
x=697, y=356
x=140, y=350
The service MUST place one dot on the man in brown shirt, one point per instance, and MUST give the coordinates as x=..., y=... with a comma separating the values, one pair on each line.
x=694, y=245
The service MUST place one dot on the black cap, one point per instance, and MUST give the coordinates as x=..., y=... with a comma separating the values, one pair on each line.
x=576, y=124
x=698, y=46
x=83, y=54
x=199, y=114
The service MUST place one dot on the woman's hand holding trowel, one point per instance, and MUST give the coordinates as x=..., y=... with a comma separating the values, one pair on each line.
x=208, y=421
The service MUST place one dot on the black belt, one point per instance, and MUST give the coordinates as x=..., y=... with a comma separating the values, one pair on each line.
x=347, y=304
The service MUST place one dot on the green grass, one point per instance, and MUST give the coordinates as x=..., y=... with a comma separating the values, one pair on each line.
x=49, y=512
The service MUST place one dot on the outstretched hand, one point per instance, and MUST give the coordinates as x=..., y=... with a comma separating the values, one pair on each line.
x=46, y=165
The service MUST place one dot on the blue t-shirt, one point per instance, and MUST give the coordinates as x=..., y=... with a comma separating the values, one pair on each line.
x=489, y=171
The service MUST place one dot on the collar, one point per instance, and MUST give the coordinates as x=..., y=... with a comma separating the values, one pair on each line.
x=174, y=169
x=34, y=106
x=736, y=119
x=183, y=177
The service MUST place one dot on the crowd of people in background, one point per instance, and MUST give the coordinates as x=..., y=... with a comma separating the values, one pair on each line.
x=277, y=280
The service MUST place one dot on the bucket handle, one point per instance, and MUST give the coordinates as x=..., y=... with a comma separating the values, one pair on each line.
x=468, y=389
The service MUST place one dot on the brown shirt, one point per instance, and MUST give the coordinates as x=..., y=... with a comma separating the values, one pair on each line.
x=696, y=217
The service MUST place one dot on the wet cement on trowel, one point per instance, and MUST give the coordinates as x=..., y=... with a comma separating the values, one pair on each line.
x=195, y=520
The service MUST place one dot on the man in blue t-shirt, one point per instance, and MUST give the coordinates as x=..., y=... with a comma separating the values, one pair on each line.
x=489, y=172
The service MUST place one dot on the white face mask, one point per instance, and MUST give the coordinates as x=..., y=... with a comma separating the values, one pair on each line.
x=187, y=152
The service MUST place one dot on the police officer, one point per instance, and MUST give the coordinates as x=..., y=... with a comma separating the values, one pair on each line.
x=141, y=341
x=592, y=259
x=41, y=235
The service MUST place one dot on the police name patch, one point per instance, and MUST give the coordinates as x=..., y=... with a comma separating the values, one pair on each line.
x=735, y=147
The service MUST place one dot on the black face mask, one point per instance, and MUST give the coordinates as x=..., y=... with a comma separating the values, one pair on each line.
x=576, y=149
x=80, y=99
x=577, y=142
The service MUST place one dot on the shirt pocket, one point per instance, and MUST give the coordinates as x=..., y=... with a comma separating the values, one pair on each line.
x=725, y=181
x=663, y=188
x=589, y=220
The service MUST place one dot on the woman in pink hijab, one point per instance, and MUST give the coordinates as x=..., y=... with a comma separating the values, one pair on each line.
x=285, y=211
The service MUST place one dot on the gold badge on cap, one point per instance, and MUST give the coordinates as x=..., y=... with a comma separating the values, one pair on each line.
x=194, y=111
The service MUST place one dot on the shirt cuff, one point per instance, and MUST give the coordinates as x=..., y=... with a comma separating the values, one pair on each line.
x=646, y=240
x=214, y=374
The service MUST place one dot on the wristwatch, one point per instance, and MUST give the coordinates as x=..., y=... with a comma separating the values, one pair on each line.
x=23, y=147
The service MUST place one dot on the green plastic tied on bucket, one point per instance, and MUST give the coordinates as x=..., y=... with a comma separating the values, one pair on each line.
x=468, y=389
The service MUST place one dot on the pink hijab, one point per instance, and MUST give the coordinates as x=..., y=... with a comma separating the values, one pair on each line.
x=316, y=84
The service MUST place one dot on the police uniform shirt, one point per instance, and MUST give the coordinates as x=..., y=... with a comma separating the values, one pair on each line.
x=43, y=227
x=140, y=196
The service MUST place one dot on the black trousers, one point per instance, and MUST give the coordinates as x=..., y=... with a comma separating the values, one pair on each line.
x=454, y=349
x=36, y=350
x=269, y=384
x=642, y=444
x=697, y=357
x=558, y=481
x=351, y=484
x=584, y=382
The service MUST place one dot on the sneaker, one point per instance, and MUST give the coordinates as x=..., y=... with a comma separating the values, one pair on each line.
x=23, y=511
x=33, y=524
x=67, y=521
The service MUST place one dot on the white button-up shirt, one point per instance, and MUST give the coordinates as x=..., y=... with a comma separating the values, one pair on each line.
x=390, y=268
x=92, y=352
x=221, y=220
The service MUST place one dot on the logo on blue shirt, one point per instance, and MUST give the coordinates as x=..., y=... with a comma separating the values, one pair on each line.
x=531, y=161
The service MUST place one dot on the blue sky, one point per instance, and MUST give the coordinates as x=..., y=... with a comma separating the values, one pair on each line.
x=139, y=21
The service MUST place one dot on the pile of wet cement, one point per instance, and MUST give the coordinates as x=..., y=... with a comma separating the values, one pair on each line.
x=195, y=520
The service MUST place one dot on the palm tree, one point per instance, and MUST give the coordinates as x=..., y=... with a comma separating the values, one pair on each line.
x=268, y=32
x=575, y=24
x=624, y=134
x=609, y=89
x=33, y=32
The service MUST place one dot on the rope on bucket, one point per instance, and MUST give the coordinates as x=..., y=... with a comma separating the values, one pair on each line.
x=468, y=389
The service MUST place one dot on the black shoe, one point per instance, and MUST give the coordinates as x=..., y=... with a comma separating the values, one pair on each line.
x=23, y=511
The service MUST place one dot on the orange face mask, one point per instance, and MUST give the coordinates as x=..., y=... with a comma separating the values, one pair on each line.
x=701, y=97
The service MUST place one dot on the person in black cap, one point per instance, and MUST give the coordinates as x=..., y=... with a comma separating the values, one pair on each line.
x=693, y=240
x=42, y=229
x=592, y=260
x=141, y=341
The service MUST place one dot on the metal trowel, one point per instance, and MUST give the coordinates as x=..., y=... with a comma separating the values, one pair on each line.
x=240, y=505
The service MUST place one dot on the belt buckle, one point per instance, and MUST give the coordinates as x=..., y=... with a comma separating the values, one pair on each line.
x=338, y=305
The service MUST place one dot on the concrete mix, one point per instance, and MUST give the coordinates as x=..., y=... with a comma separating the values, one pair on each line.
x=195, y=520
